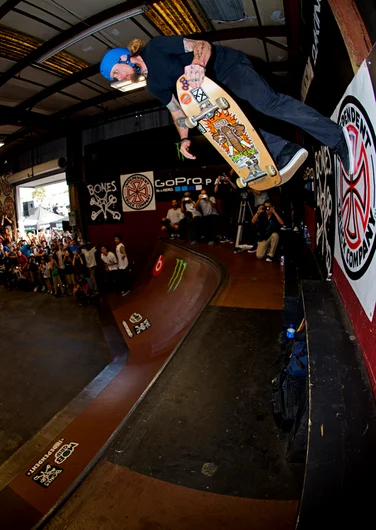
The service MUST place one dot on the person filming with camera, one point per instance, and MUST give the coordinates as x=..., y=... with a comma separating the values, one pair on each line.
x=226, y=192
x=268, y=223
x=210, y=219
x=191, y=222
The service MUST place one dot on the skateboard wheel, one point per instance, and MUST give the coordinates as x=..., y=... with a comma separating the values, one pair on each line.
x=191, y=122
x=240, y=183
x=271, y=171
x=222, y=103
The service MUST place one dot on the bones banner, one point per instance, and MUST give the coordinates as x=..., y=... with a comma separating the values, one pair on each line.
x=355, y=241
x=137, y=191
x=105, y=203
x=325, y=211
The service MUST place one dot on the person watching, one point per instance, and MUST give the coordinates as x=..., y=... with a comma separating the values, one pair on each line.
x=111, y=265
x=225, y=190
x=268, y=223
x=89, y=252
x=171, y=222
x=123, y=265
x=190, y=225
x=210, y=219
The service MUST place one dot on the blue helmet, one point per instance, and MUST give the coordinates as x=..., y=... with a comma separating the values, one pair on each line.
x=113, y=57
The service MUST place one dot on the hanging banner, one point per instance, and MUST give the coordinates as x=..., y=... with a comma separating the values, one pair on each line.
x=104, y=203
x=325, y=210
x=355, y=241
x=137, y=191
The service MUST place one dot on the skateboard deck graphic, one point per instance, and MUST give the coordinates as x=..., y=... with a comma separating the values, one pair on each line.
x=220, y=119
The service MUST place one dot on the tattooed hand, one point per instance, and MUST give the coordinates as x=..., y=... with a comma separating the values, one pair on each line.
x=184, y=149
x=195, y=75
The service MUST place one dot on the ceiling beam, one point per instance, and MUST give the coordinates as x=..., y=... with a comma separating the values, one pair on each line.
x=86, y=73
x=292, y=15
x=93, y=102
x=68, y=34
x=250, y=32
x=25, y=118
x=8, y=6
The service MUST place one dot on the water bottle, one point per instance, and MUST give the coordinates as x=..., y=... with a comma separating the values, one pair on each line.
x=308, y=238
x=305, y=232
x=282, y=260
x=290, y=332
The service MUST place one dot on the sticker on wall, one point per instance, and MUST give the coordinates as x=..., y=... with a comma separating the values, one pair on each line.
x=47, y=455
x=135, y=318
x=9, y=209
x=105, y=203
x=65, y=452
x=137, y=191
x=355, y=244
x=127, y=329
x=158, y=267
x=5, y=188
x=143, y=326
x=177, y=275
x=47, y=475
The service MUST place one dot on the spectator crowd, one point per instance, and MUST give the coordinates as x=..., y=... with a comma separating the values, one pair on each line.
x=215, y=219
x=59, y=264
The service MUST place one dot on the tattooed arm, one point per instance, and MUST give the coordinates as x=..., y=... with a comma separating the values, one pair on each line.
x=179, y=119
x=195, y=72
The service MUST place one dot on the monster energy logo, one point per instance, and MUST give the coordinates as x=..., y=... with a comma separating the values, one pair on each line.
x=177, y=275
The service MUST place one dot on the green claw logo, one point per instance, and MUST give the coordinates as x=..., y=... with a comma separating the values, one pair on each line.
x=177, y=275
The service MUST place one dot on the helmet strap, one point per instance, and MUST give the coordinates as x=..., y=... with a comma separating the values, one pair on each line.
x=137, y=68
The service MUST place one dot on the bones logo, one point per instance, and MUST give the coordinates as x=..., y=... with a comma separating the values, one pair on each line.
x=137, y=192
x=356, y=202
x=103, y=199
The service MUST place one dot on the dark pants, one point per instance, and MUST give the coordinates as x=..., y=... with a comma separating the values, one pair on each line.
x=210, y=226
x=190, y=227
x=247, y=84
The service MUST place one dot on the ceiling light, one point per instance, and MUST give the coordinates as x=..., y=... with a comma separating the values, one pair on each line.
x=2, y=144
x=93, y=29
x=127, y=86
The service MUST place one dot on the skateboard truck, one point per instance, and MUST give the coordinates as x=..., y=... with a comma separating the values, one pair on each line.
x=220, y=103
x=256, y=173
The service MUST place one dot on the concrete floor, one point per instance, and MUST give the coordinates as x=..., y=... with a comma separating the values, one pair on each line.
x=50, y=350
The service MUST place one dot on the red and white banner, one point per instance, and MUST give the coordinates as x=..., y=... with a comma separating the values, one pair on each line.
x=355, y=240
x=137, y=191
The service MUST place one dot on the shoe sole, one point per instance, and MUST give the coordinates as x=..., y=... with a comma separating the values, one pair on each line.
x=350, y=150
x=292, y=167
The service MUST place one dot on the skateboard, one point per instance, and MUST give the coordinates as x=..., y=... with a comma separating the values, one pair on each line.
x=220, y=119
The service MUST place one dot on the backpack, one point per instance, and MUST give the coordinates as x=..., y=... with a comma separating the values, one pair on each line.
x=289, y=386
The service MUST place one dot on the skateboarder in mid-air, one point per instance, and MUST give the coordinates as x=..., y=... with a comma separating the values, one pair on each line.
x=164, y=59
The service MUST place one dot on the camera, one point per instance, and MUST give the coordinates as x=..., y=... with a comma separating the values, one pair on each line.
x=186, y=199
x=204, y=196
x=267, y=207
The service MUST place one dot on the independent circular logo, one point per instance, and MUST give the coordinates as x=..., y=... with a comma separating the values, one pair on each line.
x=137, y=192
x=356, y=202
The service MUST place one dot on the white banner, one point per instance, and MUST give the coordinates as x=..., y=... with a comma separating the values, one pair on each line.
x=355, y=241
x=137, y=191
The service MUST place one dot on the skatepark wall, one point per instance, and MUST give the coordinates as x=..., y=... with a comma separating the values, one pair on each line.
x=153, y=155
x=339, y=212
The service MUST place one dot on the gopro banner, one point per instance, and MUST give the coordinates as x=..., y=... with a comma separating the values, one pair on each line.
x=137, y=191
x=170, y=187
x=355, y=241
